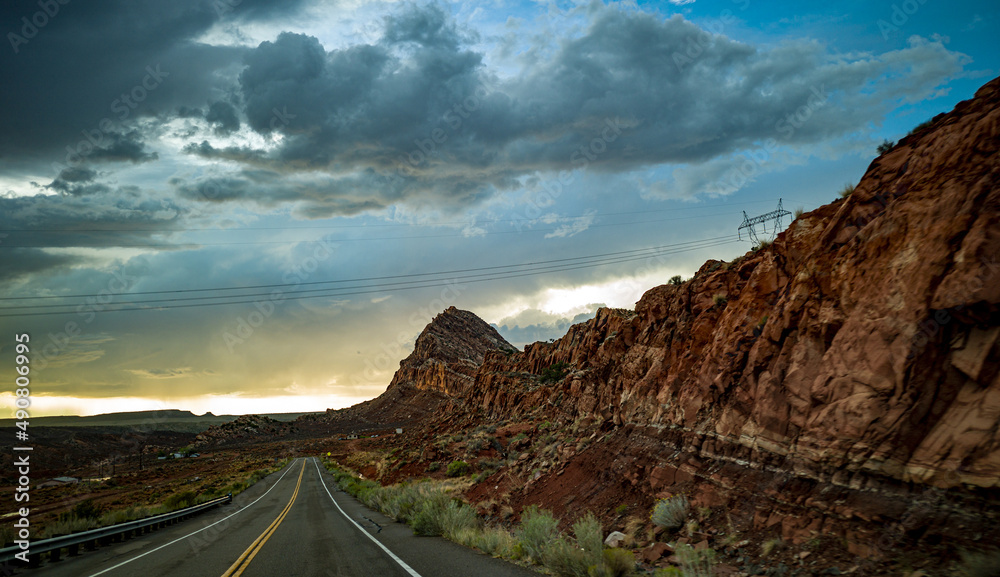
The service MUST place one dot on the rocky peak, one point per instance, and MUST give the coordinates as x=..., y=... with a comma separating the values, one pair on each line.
x=448, y=353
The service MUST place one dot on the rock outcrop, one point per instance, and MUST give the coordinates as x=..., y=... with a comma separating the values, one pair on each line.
x=862, y=342
x=844, y=375
x=244, y=428
x=448, y=353
x=445, y=359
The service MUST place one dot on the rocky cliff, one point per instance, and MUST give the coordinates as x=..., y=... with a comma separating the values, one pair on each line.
x=862, y=342
x=445, y=359
x=842, y=380
x=448, y=353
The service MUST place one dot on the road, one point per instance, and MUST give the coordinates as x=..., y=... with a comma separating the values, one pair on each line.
x=293, y=523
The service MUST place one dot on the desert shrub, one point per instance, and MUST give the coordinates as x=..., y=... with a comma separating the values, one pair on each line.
x=496, y=542
x=886, y=146
x=538, y=528
x=180, y=500
x=980, y=564
x=719, y=300
x=439, y=514
x=457, y=468
x=86, y=510
x=473, y=446
x=617, y=563
x=554, y=373
x=429, y=518
x=670, y=513
x=584, y=555
x=799, y=212
x=676, y=280
x=694, y=562
x=848, y=190
x=769, y=546
x=563, y=558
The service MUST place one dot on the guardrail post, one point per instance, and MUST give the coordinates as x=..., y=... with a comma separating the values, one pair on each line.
x=54, y=555
x=73, y=550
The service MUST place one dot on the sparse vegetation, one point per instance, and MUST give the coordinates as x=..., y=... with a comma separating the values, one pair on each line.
x=430, y=510
x=886, y=146
x=670, y=513
x=761, y=245
x=694, y=562
x=799, y=212
x=554, y=373
x=980, y=564
x=769, y=546
x=925, y=124
x=847, y=191
x=719, y=300
x=457, y=468
x=676, y=280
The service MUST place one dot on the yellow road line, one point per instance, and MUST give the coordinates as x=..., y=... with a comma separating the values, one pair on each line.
x=237, y=568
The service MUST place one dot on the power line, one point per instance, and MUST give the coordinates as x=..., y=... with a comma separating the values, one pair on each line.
x=387, y=277
x=388, y=287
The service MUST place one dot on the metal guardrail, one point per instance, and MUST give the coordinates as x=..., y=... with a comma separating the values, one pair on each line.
x=105, y=535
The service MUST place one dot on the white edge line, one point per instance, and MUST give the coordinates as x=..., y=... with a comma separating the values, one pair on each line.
x=402, y=563
x=289, y=468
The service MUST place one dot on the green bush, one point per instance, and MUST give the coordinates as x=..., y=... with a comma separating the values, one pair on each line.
x=676, y=280
x=847, y=191
x=85, y=510
x=694, y=562
x=554, y=373
x=496, y=542
x=439, y=514
x=670, y=513
x=538, y=529
x=719, y=300
x=980, y=564
x=180, y=500
x=457, y=468
x=886, y=146
x=618, y=563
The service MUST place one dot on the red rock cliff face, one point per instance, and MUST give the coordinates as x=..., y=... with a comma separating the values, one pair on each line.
x=860, y=345
x=441, y=368
x=448, y=353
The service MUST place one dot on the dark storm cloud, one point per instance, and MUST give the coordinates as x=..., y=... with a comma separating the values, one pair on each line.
x=90, y=214
x=20, y=262
x=223, y=116
x=419, y=109
x=113, y=60
x=119, y=147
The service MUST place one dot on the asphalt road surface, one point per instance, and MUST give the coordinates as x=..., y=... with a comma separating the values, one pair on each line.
x=293, y=523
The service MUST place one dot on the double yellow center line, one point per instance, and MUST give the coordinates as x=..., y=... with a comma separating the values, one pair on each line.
x=237, y=568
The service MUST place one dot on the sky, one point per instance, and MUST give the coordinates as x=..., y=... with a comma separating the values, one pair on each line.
x=247, y=206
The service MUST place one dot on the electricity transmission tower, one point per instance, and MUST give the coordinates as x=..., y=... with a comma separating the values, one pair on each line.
x=750, y=224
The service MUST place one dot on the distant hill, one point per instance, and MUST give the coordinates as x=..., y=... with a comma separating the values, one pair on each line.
x=160, y=420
